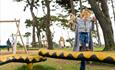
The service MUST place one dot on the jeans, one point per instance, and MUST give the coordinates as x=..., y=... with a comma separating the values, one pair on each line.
x=84, y=39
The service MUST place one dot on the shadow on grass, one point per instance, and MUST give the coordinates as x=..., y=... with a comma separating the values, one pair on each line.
x=37, y=67
x=102, y=64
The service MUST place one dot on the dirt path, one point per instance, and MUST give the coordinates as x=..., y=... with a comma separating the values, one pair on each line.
x=5, y=52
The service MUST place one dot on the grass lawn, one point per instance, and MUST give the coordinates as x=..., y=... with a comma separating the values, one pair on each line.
x=60, y=64
x=57, y=64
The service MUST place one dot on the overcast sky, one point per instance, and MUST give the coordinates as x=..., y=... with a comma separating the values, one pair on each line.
x=10, y=10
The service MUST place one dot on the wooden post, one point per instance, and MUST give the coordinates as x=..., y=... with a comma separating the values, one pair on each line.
x=30, y=66
x=18, y=31
x=15, y=44
x=17, y=24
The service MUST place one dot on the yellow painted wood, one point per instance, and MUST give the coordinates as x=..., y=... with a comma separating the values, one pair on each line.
x=86, y=54
x=30, y=66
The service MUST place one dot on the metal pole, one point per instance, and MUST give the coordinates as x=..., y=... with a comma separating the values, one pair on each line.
x=83, y=62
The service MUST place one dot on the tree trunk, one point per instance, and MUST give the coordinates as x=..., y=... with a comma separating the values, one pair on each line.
x=99, y=40
x=38, y=36
x=113, y=9
x=105, y=23
x=38, y=33
x=33, y=20
x=48, y=32
x=81, y=7
x=72, y=7
x=73, y=12
x=33, y=24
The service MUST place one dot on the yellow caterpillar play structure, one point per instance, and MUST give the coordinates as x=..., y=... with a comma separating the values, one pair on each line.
x=21, y=58
x=70, y=55
x=86, y=55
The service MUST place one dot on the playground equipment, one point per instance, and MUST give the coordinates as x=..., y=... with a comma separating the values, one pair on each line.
x=17, y=33
x=70, y=55
x=21, y=58
x=86, y=55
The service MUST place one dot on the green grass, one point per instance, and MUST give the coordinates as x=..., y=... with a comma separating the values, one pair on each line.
x=71, y=49
x=60, y=64
x=98, y=48
x=57, y=64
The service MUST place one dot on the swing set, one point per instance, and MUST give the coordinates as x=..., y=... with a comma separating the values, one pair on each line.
x=21, y=58
x=18, y=33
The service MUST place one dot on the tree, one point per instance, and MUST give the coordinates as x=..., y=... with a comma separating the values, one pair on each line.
x=103, y=17
x=105, y=22
x=69, y=6
x=113, y=7
x=47, y=23
x=32, y=4
x=27, y=34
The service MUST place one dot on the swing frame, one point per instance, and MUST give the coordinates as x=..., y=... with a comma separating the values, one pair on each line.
x=18, y=33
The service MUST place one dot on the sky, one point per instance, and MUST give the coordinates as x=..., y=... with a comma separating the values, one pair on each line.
x=9, y=10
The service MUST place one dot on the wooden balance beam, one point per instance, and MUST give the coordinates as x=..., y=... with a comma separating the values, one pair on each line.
x=85, y=55
x=21, y=58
